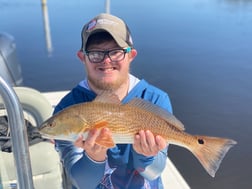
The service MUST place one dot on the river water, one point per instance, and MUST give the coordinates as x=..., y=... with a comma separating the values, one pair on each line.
x=198, y=51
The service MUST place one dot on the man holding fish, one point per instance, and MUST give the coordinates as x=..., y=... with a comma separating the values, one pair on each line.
x=107, y=52
x=112, y=129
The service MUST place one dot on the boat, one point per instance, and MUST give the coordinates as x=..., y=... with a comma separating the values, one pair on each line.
x=37, y=166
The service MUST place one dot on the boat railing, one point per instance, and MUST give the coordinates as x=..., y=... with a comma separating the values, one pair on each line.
x=18, y=135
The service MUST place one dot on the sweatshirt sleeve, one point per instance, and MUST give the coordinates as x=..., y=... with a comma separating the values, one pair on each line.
x=150, y=167
x=78, y=165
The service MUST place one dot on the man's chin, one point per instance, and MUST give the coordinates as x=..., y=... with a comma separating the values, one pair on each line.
x=105, y=84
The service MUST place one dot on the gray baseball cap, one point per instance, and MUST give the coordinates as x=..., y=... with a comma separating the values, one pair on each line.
x=115, y=26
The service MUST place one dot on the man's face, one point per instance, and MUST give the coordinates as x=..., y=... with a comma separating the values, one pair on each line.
x=107, y=74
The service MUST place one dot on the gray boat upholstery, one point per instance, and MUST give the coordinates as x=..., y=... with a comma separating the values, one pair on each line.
x=45, y=162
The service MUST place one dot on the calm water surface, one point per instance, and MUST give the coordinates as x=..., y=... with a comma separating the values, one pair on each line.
x=198, y=51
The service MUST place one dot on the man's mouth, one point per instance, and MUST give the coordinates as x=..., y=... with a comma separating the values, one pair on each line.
x=107, y=69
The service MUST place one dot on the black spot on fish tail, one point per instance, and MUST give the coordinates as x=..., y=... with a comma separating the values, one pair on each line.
x=201, y=141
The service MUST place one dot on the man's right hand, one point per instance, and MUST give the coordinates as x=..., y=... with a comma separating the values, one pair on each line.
x=94, y=151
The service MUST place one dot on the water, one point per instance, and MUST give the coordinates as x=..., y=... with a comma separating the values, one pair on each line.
x=199, y=51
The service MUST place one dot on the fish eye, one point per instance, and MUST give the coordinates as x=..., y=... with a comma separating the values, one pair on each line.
x=201, y=141
x=52, y=124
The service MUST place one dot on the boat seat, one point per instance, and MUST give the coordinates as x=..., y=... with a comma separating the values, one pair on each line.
x=45, y=161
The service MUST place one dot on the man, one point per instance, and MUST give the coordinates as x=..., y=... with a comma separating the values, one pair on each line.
x=107, y=52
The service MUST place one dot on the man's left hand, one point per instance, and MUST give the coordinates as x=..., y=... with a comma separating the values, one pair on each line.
x=147, y=144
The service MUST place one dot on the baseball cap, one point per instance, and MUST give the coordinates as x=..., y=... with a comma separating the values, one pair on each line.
x=115, y=26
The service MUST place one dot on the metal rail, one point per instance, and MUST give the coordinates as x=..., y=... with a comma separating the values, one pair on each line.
x=107, y=6
x=18, y=136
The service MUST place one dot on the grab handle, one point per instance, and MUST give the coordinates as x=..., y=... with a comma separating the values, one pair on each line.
x=18, y=136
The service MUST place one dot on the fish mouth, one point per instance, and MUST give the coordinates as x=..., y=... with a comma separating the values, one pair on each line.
x=40, y=127
x=46, y=136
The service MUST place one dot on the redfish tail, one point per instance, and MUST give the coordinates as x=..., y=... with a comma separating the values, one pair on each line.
x=210, y=151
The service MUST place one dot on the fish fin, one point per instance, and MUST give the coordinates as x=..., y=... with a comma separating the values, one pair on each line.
x=100, y=125
x=210, y=151
x=158, y=111
x=107, y=97
x=105, y=140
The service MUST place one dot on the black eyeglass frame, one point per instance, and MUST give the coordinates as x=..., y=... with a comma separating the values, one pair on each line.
x=108, y=53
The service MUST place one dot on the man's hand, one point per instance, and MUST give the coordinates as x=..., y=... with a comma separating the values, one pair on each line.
x=93, y=150
x=147, y=144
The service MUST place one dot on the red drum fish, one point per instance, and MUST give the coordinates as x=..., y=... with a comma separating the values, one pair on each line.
x=126, y=120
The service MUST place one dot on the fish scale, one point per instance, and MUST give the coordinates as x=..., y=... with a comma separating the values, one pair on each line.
x=125, y=119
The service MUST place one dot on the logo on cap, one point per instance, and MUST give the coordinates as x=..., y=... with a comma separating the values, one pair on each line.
x=91, y=24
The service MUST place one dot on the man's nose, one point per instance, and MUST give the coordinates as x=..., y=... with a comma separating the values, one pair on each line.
x=106, y=59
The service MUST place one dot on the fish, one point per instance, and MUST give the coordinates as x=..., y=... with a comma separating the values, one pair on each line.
x=126, y=120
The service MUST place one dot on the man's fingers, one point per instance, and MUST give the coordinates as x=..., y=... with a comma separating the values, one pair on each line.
x=79, y=141
x=147, y=144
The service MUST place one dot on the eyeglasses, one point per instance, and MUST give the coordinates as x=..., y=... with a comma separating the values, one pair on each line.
x=115, y=55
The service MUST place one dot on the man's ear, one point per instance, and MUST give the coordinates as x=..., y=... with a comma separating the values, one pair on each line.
x=133, y=53
x=81, y=56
